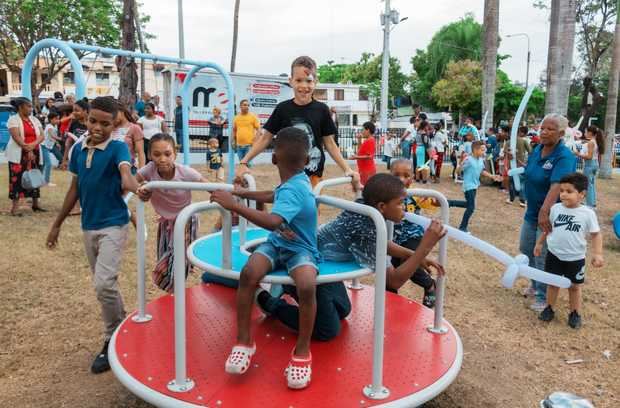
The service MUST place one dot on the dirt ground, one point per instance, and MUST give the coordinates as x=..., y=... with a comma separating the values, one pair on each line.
x=50, y=326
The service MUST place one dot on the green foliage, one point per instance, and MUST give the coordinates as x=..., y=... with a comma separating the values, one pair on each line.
x=332, y=73
x=367, y=72
x=508, y=97
x=461, y=40
x=461, y=86
x=25, y=22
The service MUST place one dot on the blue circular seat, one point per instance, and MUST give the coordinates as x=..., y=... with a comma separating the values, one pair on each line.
x=206, y=253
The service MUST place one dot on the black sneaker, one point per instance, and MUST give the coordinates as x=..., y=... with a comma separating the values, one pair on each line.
x=429, y=297
x=101, y=363
x=574, y=320
x=547, y=314
x=262, y=300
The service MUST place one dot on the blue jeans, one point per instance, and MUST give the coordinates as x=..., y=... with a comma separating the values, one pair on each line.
x=590, y=169
x=47, y=160
x=332, y=305
x=469, y=204
x=242, y=151
x=284, y=258
x=179, y=135
x=527, y=241
x=405, y=147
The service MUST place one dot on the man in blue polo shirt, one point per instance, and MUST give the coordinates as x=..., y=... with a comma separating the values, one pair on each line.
x=548, y=163
x=101, y=172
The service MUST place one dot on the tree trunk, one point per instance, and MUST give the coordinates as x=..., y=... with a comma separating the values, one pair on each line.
x=489, y=57
x=127, y=66
x=612, y=104
x=136, y=18
x=560, y=55
x=233, y=57
x=590, y=101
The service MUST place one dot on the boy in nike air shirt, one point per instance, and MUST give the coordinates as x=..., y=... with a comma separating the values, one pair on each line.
x=571, y=223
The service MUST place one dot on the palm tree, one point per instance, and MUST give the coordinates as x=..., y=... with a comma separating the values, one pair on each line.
x=489, y=56
x=233, y=57
x=612, y=102
x=560, y=55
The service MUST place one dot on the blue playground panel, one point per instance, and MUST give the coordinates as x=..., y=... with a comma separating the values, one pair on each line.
x=5, y=112
x=616, y=222
x=209, y=250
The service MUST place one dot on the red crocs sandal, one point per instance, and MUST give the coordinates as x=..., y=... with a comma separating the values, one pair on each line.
x=299, y=371
x=239, y=359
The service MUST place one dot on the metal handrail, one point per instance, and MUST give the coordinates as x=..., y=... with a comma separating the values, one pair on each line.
x=440, y=283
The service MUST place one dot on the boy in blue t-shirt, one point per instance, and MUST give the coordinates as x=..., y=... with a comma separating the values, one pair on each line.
x=472, y=168
x=101, y=169
x=292, y=244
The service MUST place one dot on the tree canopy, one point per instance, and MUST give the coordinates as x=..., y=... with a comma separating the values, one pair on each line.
x=24, y=22
x=460, y=40
x=367, y=72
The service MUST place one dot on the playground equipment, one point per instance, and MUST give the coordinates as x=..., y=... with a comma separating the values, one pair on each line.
x=68, y=49
x=415, y=353
x=516, y=171
x=516, y=266
x=421, y=357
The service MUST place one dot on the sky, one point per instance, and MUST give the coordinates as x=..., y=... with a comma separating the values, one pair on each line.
x=273, y=32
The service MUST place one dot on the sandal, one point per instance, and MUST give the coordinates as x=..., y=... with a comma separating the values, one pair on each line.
x=239, y=359
x=38, y=209
x=299, y=371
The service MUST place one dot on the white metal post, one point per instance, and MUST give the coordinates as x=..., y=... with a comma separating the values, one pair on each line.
x=440, y=283
x=385, y=65
x=141, y=317
x=181, y=31
x=181, y=383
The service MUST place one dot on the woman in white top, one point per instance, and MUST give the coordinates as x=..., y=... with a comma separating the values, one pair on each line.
x=151, y=125
x=23, y=152
x=590, y=152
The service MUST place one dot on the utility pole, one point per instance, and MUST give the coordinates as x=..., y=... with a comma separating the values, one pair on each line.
x=181, y=35
x=385, y=65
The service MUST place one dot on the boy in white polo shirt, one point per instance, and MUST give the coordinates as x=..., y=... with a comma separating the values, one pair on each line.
x=571, y=223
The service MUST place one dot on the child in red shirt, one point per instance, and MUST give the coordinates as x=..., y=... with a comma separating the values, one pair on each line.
x=366, y=154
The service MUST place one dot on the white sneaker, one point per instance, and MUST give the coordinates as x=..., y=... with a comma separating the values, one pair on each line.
x=538, y=306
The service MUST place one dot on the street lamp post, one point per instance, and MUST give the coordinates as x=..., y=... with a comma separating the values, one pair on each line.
x=387, y=17
x=181, y=34
x=527, y=72
x=385, y=65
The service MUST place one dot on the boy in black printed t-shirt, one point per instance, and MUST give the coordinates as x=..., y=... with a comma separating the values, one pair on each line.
x=306, y=113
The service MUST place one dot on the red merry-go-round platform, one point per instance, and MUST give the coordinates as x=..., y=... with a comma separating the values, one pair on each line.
x=418, y=364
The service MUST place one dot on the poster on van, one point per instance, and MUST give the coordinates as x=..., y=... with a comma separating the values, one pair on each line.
x=208, y=90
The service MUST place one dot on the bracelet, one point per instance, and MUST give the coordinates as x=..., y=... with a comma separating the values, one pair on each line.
x=243, y=163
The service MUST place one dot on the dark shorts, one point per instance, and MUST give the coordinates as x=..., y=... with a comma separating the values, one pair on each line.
x=573, y=270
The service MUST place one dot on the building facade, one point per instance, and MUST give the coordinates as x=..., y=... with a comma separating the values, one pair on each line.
x=102, y=78
x=352, y=104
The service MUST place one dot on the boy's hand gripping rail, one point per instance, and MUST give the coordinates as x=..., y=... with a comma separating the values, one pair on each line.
x=516, y=266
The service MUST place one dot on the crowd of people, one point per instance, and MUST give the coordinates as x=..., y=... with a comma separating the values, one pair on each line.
x=109, y=152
